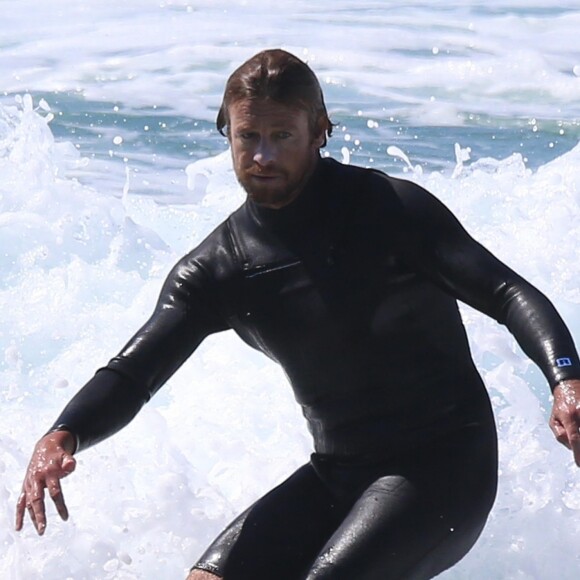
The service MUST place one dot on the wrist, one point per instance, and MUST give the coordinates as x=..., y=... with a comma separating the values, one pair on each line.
x=566, y=388
x=64, y=437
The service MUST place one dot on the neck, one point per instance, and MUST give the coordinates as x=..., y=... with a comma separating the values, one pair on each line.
x=303, y=209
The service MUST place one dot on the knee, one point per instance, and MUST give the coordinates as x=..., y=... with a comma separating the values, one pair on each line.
x=202, y=575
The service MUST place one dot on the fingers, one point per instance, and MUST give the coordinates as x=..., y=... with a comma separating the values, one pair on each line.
x=567, y=432
x=32, y=518
x=20, y=507
x=55, y=492
x=573, y=436
x=35, y=510
x=44, y=472
x=69, y=464
x=559, y=432
x=35, y=507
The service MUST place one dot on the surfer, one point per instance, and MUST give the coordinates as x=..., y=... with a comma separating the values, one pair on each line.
x=349, y=279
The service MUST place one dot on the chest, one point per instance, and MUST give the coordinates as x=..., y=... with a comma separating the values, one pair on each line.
x=321, y=290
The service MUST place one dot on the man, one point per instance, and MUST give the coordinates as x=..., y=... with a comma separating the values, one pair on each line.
x=349, y=279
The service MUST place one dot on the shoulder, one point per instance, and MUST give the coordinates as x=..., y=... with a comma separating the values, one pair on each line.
x=371, y=190
x=413, y=201
x=209, y=263
x=407, y=193
x=351, y=175
x=404, y=204
x=368, y=183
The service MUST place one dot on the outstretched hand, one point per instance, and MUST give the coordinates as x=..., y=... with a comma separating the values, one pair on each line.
x=565, y=418
x=51, y=461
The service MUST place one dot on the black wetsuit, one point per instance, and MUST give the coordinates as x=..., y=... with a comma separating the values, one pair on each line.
x=352, y=288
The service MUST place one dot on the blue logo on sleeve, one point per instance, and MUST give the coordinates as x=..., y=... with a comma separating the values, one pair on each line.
x=564, y=362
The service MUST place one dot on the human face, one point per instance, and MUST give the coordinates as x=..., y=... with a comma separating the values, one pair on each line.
x=273, y=150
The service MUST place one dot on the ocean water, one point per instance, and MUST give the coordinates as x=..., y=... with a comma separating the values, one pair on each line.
x=111, y=169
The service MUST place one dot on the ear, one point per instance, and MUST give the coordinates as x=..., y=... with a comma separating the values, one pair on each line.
x=319, y=137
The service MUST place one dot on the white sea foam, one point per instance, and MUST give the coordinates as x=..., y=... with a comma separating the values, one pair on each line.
x=478, y=54
x=82, y=264
x=85, y=273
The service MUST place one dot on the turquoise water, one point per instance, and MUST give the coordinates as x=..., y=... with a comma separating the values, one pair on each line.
x=110, y=169
x=162, y=141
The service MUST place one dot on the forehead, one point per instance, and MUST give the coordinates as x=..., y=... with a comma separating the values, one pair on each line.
x=251, y=111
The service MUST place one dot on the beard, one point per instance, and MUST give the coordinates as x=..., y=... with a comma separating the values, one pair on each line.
x=273, y=189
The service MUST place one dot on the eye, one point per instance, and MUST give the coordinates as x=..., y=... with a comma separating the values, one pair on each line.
x=245, y=133
x=283, y=134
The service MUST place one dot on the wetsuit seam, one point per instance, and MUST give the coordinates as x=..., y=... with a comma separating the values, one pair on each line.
x=239, y=257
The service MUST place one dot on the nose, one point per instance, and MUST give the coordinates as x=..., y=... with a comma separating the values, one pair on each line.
x=265, y=153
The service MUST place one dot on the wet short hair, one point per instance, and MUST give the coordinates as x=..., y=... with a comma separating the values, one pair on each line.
x=279, y=76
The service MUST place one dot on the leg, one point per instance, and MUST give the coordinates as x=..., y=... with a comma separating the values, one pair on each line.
x=279, y=536
x=201, y=575
x=393, y=532
x=416, y=524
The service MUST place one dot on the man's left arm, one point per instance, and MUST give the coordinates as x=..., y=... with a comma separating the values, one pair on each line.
x=464, y=268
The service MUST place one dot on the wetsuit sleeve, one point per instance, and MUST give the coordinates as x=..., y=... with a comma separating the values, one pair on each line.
x=465, y=269
x=184, y=315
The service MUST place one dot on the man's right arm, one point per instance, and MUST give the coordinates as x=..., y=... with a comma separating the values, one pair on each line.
x=184, y=315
